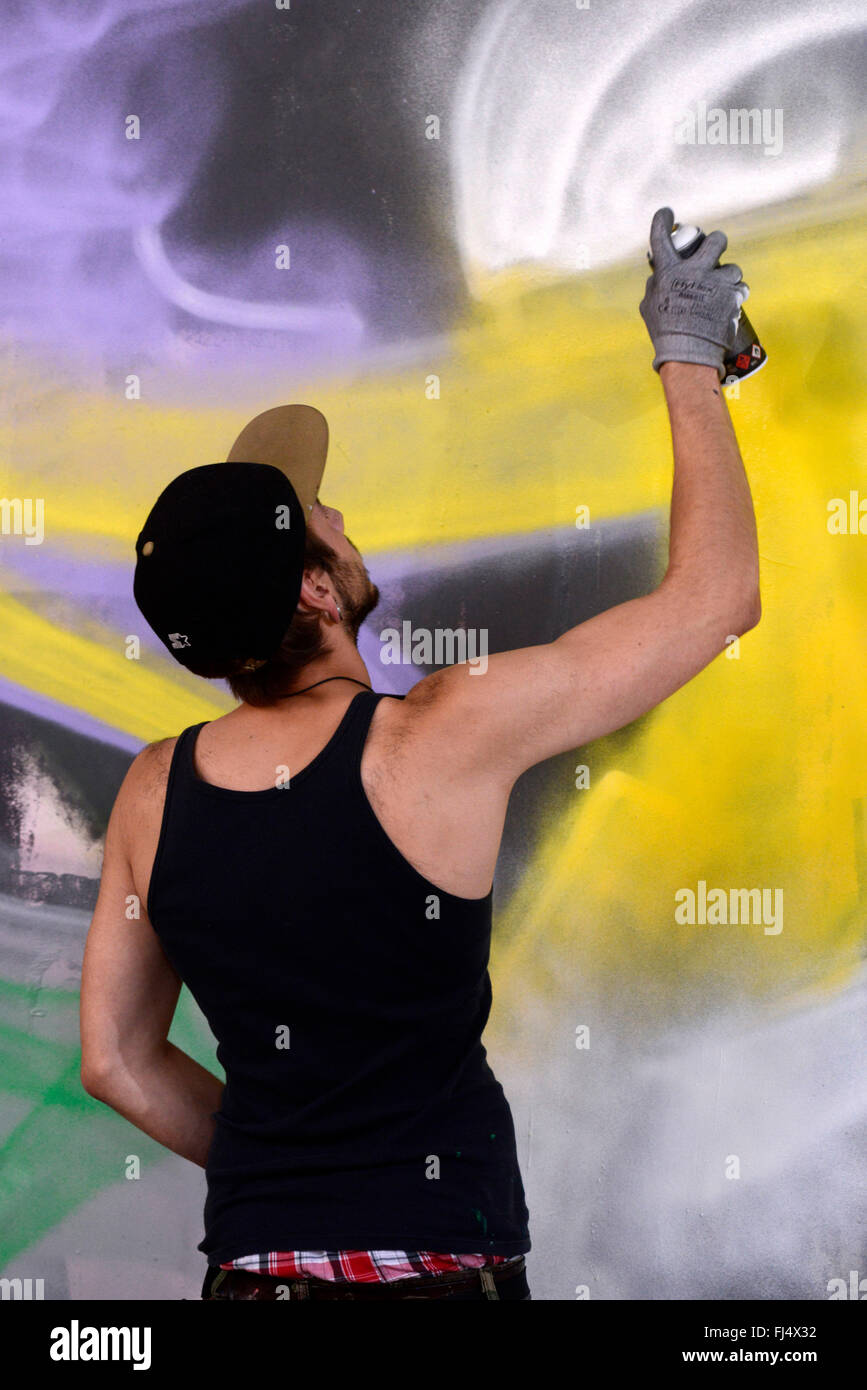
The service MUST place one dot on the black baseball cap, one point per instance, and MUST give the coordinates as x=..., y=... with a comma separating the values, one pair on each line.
x=220, y=558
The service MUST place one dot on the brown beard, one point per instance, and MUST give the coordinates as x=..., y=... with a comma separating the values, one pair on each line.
x=357, y=594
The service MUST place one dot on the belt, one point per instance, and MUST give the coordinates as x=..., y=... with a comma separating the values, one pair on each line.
x=244, y=1284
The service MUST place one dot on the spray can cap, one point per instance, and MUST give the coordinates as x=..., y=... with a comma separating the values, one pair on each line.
x=683, y=237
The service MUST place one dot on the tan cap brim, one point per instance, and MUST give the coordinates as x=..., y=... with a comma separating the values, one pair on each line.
x=293, y=438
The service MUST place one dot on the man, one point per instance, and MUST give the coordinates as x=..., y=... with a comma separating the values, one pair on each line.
x=317, y=864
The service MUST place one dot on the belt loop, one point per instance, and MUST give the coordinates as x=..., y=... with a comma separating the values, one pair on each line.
x=217, y=1281
x=488, y=1284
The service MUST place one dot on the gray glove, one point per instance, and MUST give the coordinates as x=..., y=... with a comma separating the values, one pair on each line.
x=691, y=307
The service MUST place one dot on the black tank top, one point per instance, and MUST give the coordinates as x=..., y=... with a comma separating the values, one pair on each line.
x=348, y=996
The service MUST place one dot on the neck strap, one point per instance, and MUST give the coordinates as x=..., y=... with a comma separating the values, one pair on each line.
x=324, y=680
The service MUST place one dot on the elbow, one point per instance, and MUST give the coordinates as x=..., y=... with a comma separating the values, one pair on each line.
x=95, y=1078
x=747, y=613
x=734, y=607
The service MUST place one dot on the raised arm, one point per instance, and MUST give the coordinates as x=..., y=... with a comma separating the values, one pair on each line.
x=599, y=676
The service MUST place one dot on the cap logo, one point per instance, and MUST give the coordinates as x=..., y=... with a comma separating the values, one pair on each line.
x=179, y=639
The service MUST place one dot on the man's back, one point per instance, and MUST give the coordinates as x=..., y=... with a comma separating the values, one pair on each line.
x=348, y=995
x=450, y=833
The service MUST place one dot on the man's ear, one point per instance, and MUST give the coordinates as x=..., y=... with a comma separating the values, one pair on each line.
x=317, y=595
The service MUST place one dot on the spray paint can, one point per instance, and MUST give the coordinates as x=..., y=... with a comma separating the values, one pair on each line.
x=747, y=354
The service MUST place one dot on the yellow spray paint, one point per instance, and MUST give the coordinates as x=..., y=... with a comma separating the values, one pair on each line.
x=750, y=776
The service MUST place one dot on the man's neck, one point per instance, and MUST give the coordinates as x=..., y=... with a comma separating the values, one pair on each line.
x=342, y=660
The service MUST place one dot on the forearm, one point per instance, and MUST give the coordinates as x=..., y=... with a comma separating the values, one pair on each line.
x=171, y=1098
x=713, y=545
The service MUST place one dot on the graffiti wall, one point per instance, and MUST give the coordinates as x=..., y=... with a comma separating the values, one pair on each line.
x=431, y=221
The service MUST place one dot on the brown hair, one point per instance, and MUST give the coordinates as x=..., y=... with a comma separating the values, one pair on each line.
x=303, y=641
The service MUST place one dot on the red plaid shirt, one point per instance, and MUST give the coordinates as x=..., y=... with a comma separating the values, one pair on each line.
x=365, y=1266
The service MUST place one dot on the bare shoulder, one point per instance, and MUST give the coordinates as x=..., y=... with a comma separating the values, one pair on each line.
x=427, y=705
x=145, y=781
x=432, y=725
x=150, y=767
